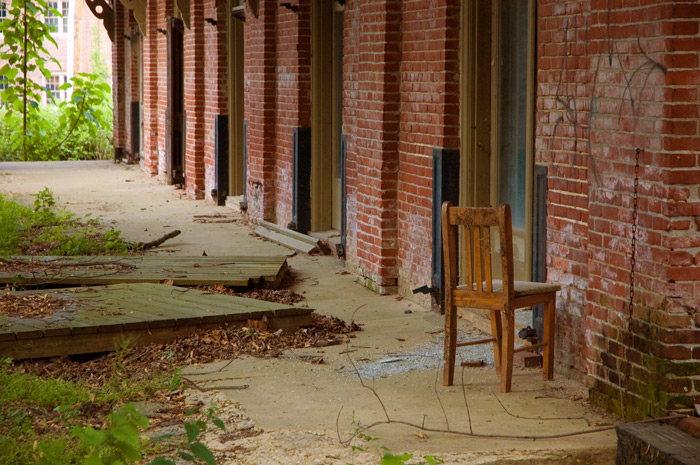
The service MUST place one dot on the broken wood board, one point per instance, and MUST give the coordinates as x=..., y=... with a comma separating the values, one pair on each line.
x=291, y=233
x=103, y=318
x=285, y=240
x=266, y=272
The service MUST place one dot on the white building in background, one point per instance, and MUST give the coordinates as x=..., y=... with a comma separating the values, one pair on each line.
x=78, y=35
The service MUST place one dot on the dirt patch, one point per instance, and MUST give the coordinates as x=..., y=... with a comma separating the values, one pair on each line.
x=31, y=306
x=280, y=296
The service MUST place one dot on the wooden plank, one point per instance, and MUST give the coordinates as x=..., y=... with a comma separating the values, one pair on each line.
x=229, y=271
x=282, y=239
x=293, y=234
x=102, y=317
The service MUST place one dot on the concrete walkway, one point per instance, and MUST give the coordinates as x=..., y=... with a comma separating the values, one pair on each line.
x=397, y=353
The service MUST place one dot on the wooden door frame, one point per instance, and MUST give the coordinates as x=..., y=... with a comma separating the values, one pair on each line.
x=321, y=114
x=469, y=71
x=235, y=94
x=174, y=118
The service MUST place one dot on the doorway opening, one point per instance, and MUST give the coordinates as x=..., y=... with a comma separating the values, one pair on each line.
x=175, y=115
x=497, y=114
x=327, y=148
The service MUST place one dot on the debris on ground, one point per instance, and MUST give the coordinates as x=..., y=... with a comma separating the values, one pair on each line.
x=30, y=306
x=203, y=346
x=280, y=296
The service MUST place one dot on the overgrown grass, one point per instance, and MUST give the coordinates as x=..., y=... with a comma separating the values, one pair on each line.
x=95, y=144
x=38, y=415
x=46, y=230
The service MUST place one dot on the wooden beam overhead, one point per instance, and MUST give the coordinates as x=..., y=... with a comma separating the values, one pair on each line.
x=139, y=9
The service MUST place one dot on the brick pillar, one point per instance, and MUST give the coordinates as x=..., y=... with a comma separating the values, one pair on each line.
x=215, y=84
x=260, y=83
x=150, y=89
x=429, y=120
x=617, y=88
x=194, y=87
x=377, y=143
x=119, y=83
x=562, y=144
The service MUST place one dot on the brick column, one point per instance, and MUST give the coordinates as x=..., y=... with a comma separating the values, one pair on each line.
x=150, y=89
x=260, y=84
x=195, y=90
x=215, y=83
x=377, y=143
x=119, y=96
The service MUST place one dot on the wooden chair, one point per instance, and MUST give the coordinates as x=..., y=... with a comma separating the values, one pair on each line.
x=478, y=289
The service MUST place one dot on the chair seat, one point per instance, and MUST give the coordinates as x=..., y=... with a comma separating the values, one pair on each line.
x=522, y=288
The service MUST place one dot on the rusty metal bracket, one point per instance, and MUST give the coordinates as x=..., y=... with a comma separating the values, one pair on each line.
x=104, y=12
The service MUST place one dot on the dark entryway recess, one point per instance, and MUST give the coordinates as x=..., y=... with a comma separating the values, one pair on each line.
x=135, y=127
x=539, y=242
x=221, y=149
x=174, y=121
x=301, y=207
x=445, y=188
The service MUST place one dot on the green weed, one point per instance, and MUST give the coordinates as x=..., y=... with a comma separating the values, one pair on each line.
x=46, y=230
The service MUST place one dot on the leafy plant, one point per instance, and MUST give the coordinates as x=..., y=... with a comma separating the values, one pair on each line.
x=387, y=458
x=44, y=230
x=118, y=443
x=77, y=128
x=23, y=52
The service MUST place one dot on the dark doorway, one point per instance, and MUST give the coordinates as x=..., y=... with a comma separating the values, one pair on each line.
x=175, y=113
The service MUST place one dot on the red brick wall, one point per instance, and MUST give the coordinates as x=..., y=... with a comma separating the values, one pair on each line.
x=293, y=98
x=151, y=97
x=119, y=84
x=259, y=108
x=375, y=143
x=215, y=84
x=194, y=90
x=562, y=143
x=612, y=81
x=429, y=119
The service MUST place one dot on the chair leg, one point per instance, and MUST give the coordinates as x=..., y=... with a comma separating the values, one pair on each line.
x=507, y=350
x=497, y=333
x=450, y=345
x=548, y=337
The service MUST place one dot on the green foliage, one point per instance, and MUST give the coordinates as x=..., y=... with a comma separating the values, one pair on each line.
x=23, y=52
x=42, y=392
x=30, y=402
x=13, y=218
x=390, y=459
x=47, y=231
x=387, y=458
x=77, y=128
x=118, y=443
x=193, y=450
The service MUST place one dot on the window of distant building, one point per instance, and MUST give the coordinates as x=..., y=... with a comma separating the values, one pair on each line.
x=3, y=86
x=58, y=24
x=64, y=12
x=53, y=85
x=3, y=9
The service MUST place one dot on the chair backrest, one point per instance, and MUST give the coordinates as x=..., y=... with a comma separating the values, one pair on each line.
x=476, y=277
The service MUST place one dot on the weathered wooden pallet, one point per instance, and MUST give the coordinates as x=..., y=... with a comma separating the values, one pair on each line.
x=102, y=318
x=264, y=272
